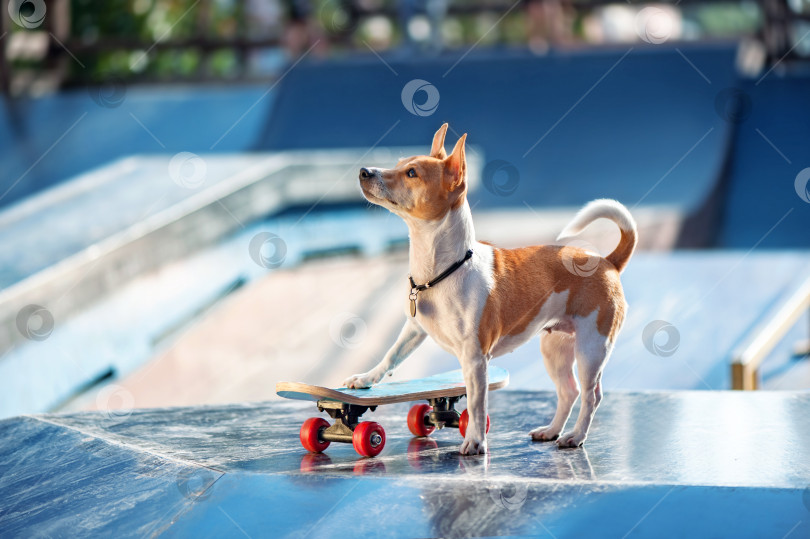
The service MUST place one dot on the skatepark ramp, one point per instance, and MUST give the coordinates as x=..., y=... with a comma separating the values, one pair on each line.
x=240, y=470
x=640, y=125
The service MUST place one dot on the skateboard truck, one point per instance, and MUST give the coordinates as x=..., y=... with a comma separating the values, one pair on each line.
x=441, y=412
x=444, y=413
x=346, y=406
x=346, y=418
x=367, y=437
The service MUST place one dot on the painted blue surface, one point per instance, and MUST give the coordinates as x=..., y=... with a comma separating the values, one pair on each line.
x=612, y=122
x=377, y=507
x=47, y=140
x=695, y=463
x=611, y=125
x=762, y=206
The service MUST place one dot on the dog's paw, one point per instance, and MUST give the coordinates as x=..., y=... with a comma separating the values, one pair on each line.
x=361, y=381
x=571, y=439
x=544, y=434
x=473, y=446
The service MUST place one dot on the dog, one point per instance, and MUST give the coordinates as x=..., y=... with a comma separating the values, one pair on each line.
x=490, y=300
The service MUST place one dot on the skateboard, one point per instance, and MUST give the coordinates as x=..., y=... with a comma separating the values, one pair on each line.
x=441, y=391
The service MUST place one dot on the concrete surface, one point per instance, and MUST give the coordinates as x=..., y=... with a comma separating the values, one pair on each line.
x=703, y=464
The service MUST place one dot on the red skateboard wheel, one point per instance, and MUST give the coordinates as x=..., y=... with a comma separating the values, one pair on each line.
x=368, y=438
x=310, y=434
x=464, y=419
x=416, y=420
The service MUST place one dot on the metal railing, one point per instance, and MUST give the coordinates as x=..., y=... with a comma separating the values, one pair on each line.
x=747, y=358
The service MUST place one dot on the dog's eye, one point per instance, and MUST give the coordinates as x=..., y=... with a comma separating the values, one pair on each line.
x=411, y=173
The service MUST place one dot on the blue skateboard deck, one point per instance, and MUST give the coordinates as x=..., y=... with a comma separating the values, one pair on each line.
x=448, y=384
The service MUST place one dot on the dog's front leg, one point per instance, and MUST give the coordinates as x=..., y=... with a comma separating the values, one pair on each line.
x=474, y=368
x=409, y=340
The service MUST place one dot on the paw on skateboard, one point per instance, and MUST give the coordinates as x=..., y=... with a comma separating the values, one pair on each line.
x=345, y=406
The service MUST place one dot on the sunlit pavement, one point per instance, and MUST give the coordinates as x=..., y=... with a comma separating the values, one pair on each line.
x=655, y=464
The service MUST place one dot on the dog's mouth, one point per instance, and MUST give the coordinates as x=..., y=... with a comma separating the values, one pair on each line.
x=373, y=191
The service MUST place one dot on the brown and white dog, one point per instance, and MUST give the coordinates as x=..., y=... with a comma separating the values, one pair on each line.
x=500, y=298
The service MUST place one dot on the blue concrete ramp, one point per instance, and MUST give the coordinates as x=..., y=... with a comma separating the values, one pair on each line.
x=768, y=201
x=702, y=464
x=638, y=124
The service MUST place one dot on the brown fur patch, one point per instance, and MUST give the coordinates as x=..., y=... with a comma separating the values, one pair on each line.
x=526, y=277
x=439, y=186
x=621, y=254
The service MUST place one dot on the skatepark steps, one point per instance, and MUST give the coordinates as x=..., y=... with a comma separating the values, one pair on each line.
x=696, y=463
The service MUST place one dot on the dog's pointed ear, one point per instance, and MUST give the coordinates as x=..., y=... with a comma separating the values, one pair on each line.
x=456, y=165
x=437, y=149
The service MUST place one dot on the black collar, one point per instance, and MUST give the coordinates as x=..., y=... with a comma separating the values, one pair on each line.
x=416, y=288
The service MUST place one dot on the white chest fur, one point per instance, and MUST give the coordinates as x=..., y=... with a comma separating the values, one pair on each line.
x=451, y=311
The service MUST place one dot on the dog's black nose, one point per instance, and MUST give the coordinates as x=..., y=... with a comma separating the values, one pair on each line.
x=365, y=173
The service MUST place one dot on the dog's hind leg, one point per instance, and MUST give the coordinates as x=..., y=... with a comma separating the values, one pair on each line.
x=558, y=356
x=592, y=351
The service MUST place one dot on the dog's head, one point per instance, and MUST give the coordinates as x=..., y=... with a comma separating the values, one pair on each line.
x=422, y=187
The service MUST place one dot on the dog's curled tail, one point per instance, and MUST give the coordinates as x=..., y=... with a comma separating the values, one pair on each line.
x=616, y=212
